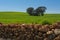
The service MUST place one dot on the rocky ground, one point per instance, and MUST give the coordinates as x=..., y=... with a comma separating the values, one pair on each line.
x=30, y=31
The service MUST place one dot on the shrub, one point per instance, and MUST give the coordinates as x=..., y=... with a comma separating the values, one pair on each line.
x=45, y=22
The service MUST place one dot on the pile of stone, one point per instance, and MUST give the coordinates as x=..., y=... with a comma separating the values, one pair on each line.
x=30, y=31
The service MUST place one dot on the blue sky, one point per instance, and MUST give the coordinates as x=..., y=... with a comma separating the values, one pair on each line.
x=53, y=6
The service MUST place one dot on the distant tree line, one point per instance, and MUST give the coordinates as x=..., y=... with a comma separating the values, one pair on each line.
x=36, y=12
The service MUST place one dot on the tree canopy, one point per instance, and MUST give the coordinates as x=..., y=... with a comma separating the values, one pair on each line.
x=36, y=12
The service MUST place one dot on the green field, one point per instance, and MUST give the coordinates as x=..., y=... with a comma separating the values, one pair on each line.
x=21, y=17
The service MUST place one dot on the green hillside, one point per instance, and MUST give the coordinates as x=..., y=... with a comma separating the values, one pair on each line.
x=21, y=17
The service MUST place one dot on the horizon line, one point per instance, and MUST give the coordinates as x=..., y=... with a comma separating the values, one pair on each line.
x=25, y=11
